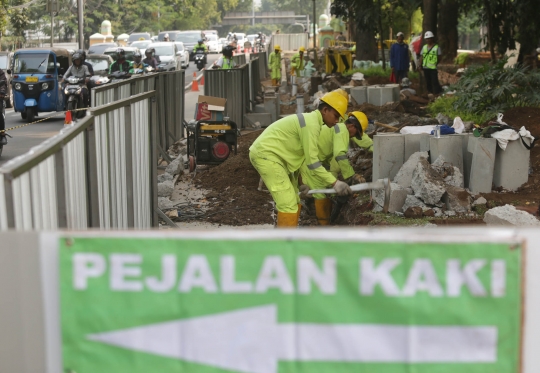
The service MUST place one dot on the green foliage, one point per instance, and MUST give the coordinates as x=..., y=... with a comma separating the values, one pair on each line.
x=370, y=72
x=445, y=105
x=491, y=88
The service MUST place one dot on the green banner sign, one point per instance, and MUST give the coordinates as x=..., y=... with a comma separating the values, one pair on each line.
x=274, y=306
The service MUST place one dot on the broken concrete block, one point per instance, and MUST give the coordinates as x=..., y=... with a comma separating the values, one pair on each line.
x=427, y=184
x=164, y=203
x=511, y=165
x=450, y=174
x=457, y=199
x=176, y=166
x=412, y=201
x=359, y=95
x=450, y=147
x=483, y=163
x=438, y=212
x=480, y=201
x=414, y=212
x=397, y=197
x=164, y=177
x=450, y=213
x=388, y=152
x=165, y=188
x=509, y=215
x=404, y=175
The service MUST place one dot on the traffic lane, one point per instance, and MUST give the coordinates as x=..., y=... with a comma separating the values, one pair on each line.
x=27, y=137
x=193, y=67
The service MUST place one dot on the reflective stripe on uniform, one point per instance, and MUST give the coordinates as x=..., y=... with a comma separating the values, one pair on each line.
x=341, y=157
x=314, y=165
x=336, y=128
x=301, y=120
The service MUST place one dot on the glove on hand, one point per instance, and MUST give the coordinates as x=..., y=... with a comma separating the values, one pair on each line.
x=342, y=189
x=304, y=189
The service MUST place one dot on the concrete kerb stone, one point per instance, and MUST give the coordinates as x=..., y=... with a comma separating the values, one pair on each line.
x=388, y=154
x=483, y=162
x=450, y=147
x=412, y=144
x=404, y=175
x=467, y=156
x=509, y=215
x=359, y=94
x=397, y=198
x=511, y=165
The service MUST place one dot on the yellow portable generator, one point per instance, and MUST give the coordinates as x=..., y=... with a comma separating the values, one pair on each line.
x=211, y=142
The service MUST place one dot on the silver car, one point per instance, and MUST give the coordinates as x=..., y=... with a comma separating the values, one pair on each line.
x=168, y=56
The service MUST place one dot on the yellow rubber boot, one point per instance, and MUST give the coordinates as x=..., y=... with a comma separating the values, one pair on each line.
x=287, y=219
x=323, y=210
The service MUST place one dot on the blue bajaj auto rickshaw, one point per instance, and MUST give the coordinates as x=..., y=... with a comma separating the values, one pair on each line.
x=36, y=80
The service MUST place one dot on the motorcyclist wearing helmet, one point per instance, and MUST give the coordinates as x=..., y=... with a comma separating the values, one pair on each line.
x=121, y=64
x=150, y=60
x=137, y=62
x=87, y=64
x=225, y=61
x=79, y=70
x=200, y=45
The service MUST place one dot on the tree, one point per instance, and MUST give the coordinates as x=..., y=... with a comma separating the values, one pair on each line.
x=447, y=33
x=361, y=15
x=18, y=19
x=430, y=9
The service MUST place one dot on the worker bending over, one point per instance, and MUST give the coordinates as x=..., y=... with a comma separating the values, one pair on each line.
x=297, y=62
x=363, y=140
x=280, y=150
x=333, y=147
x=274, y=64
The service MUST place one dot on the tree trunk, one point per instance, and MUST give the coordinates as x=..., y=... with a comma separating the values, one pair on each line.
x=366, y=47
x=381, y=36
x=491, y=43
x=430, y=16
x=447, y=32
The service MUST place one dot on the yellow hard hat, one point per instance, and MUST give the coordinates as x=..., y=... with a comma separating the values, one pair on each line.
x=362, y=119
x=302, y=49
x=337, y=101
x=343, y=93
x=277, y=47
x=141, y=38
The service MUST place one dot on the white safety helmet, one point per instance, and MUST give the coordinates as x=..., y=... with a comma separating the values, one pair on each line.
x=405, y=82
x=400, y=34
x=428, y=35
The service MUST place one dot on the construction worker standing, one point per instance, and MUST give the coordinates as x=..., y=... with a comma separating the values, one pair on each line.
x=274, y=64
x=297, y=62
x=429, y=60
x=278, y=154
x=333, y=146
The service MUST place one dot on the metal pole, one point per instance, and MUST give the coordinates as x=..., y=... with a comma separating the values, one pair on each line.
x=253, y=12
x=80, y=9
x=314, y=26
x=52, y=28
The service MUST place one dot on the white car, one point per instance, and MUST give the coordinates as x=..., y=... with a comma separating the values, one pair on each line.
x=212, y=43
x=223, y=42
x=167, y=55
x=184, y=54
x=241, y=40
x=142, y=44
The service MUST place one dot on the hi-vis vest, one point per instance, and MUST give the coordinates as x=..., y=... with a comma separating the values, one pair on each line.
x=429, y=59
x=228, y=63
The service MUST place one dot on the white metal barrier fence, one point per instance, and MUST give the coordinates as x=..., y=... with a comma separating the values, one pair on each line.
x=99, y=173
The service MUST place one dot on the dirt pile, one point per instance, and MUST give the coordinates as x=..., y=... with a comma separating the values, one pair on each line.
x=233, y=197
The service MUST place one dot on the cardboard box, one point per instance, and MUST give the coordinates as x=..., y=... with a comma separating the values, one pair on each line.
x=210, y=108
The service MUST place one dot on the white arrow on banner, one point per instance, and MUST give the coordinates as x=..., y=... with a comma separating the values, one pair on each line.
x=251, y=341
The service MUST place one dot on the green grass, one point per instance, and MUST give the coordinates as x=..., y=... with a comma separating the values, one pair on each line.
x=392, y=219
x=445, y=105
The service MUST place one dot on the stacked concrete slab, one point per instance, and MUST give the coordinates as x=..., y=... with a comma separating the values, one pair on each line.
x=271, y=105
x=467, y=156
x=359, y=94
x=483, y=163
x=413, y=144
x=512, y=165
x=388, y=155
x=380, y=95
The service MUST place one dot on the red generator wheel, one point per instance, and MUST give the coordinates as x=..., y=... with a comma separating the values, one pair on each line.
x=221, y=150
x=192, y=164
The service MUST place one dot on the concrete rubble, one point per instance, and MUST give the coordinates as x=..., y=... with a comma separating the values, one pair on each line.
x=480, y=201
x=397, y=198
x=427, y=184
x=404, y=175
x=165, y=188
x=509, y=215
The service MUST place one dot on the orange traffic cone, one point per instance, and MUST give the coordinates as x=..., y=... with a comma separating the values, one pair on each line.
x=202, y=79
x=195, y=85
x=68, y=121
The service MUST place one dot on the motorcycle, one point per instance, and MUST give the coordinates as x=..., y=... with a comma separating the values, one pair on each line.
x=200, y=58
x=74, y=96
x=118, y=76
x=3, y=139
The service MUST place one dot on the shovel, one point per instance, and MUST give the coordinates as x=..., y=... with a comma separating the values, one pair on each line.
x=376, y=185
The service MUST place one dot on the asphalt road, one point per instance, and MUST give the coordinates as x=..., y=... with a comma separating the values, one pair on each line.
x=27, y=137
